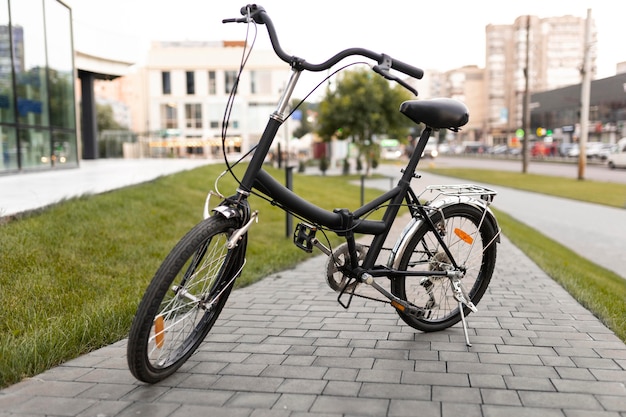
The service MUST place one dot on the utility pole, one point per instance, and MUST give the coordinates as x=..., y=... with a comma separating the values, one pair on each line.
x=585, y=97
x=526, y=105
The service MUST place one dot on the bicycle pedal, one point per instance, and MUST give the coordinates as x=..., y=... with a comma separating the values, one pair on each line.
x=303, y=236
x=409, y=309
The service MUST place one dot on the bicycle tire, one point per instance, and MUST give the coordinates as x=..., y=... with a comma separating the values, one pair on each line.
x=459, y=226
x=172, y=320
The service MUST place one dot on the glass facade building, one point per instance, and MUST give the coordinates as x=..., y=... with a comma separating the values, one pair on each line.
x=37, y=82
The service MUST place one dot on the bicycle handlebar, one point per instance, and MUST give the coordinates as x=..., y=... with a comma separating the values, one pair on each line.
x=260, y=16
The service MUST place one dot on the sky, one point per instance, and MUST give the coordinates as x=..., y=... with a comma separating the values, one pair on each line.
x=438, y=35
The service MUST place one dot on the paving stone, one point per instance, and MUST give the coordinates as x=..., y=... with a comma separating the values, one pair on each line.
x=354, y=406
x=411, y=408
x=535, y=352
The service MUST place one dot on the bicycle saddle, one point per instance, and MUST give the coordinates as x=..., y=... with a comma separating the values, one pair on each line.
x=438, y=113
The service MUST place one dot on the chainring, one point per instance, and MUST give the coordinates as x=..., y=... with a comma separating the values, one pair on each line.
x=339, y=258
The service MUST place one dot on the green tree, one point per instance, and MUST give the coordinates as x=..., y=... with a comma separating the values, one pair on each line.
x=361, y=106
x=105, y=119
x=305, y=125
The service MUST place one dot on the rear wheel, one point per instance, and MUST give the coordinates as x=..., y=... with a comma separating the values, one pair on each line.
x=183, y=300
x=472, y=243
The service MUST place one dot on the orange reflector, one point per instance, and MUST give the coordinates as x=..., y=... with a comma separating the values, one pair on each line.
x=463, y=236
x=158, y=331
x=397, y=305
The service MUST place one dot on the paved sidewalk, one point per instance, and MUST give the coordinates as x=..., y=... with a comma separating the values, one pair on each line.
x=29, y=191
x=284, y=347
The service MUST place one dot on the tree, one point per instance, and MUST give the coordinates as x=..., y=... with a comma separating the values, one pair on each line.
x=305, y=125
x=105, y=119
x=362, y=106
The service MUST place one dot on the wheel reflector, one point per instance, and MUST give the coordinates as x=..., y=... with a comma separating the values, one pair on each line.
x=158, y=331
x=463, y=236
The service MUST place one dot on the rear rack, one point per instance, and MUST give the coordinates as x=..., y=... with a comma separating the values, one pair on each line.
x=457, y=190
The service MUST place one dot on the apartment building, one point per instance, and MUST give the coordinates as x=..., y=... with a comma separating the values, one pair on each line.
x=550, y=50
x=467, y=84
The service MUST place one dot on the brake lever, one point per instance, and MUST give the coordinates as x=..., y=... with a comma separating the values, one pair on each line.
x=383, y=68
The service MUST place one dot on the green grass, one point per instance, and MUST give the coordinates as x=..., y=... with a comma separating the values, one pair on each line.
x=606, y=193
x=72, y=274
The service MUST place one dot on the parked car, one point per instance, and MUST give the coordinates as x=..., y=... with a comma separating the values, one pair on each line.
x=565, y=147
x=618, y=159
x=573, y=150
x=597, y=150
x=499, y=150
x=430, y=151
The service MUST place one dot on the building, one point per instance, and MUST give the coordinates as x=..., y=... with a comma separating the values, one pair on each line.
x=550, y=50
x=187, y=88
x=467, y=84
x=37, y=101
x=558, y=111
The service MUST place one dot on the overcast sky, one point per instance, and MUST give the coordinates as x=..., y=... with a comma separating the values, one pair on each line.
x=439, y=35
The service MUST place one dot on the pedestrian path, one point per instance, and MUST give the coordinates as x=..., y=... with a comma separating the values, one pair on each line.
x=34, y=190
x=285, y=347
x=593, y=231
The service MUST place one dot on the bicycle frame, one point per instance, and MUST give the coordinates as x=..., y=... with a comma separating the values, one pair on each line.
x=342, y=222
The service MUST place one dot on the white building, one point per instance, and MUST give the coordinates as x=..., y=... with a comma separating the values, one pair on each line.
x=188, y=85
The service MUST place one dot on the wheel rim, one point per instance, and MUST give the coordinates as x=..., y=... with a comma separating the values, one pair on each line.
x=435, y=293
x=181, y=318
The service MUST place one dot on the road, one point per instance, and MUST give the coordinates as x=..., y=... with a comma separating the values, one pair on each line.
x=595, y=171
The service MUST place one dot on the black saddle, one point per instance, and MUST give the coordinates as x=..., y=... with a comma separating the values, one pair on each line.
x=437, y=113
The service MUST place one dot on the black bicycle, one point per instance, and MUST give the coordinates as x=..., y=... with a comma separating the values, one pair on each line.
x=436, y=273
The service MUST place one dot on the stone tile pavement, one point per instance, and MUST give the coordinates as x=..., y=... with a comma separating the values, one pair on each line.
x=283, y=347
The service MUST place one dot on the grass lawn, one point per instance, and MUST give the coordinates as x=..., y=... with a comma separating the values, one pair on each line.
x=73, y=274
x=606, y=193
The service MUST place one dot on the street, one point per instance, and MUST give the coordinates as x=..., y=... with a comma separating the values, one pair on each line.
x=595, y=171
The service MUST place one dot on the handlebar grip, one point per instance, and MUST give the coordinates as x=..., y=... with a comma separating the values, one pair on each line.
x=407, y=69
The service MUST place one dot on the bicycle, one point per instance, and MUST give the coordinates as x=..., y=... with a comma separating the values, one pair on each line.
x=436, y=273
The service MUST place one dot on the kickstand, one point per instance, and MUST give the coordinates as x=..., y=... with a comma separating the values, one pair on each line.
x=460, y=296
x=467, y=341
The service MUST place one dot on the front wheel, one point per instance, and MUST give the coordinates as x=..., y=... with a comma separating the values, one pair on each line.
x=471, y=240
x=184, y=299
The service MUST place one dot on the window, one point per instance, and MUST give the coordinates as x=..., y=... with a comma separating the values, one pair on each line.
x=230, y=79
x=61, y=70
x=193, y=115
x=191, y=85
x=260, y=82
x=212, y=83
x=253, y=82
x=169, y=116
x=31, y=86
x=166, y=82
